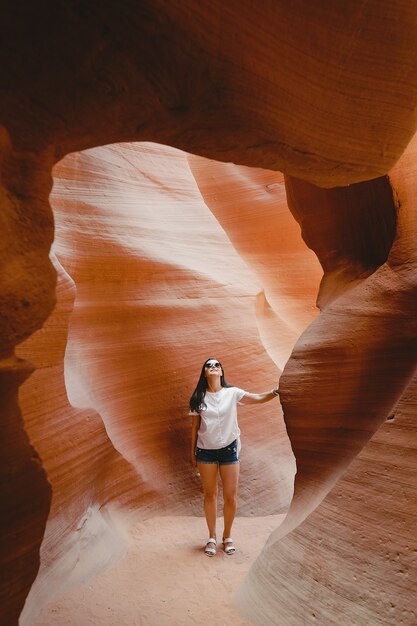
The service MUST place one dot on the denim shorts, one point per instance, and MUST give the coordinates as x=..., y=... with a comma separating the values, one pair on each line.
x=224, y=456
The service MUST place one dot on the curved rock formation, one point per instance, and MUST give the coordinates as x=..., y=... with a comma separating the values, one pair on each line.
x=354, y=559
x=26, y=298
x=151, y=285
x=84, y=532
x=312, y=90
x=251, y=206
x=355, y=361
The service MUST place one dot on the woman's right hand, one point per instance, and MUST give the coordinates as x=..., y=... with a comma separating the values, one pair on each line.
x=193, y=460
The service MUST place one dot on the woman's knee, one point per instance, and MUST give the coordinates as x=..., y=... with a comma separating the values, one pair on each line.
x=210, y=495
x=230, y=499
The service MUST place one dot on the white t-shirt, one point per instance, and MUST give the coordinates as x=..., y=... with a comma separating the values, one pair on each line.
x=218, y=426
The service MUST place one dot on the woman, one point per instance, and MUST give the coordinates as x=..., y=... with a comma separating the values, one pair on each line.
x=215, y=444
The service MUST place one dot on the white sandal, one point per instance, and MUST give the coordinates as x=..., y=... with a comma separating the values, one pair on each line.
x=210, y=551
x=228, y=548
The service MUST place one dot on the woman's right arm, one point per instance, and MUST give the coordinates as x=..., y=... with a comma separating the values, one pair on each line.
x=194, y=431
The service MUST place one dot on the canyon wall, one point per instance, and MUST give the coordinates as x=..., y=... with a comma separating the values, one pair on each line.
x=326, y=94
x=354, y=557
x=149, y=285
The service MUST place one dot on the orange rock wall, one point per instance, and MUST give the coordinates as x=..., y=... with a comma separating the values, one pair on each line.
x=26, y=298
x=354, y=559
x=84, y=533
x=309, y=89
x=149, y=285
x=355, y=360
x=312, y=90
x=251, y=206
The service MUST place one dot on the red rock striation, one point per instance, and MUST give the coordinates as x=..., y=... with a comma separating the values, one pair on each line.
x=311, y=89
x=355, y=361
x=22, y=517
x=251, y=206
x=323, y=92
x=84, y=532
x=26, y=299
x=354, y=559
x=151, y=285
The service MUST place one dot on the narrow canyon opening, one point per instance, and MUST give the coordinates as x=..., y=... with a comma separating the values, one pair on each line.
x=162, y=258
x=308, y=89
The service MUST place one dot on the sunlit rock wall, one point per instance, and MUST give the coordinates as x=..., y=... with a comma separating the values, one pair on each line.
x=251, y=205
x=149, y=286
x=85, y=533
x=354, y=558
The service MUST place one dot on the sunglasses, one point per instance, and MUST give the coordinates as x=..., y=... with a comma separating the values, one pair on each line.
x=212, y=364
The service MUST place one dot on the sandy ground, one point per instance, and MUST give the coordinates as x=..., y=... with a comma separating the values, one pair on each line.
x=165, y=579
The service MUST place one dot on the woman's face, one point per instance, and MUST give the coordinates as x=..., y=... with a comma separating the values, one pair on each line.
x=212, y=368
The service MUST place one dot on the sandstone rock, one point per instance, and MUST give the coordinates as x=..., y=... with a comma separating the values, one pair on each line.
x=355, y=361
x=309, y=89
x=325, y=93
x=149, y=285
x=251, y=206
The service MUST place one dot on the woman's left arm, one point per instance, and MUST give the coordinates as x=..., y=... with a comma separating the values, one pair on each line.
x=255, y=398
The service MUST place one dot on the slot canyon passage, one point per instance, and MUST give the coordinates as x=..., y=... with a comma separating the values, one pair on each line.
x=177, y=175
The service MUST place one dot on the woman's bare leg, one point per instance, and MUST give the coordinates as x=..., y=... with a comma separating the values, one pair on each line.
x=230, y=478
x=208, y=473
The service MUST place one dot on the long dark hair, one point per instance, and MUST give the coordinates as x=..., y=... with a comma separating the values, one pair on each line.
x=197, y=403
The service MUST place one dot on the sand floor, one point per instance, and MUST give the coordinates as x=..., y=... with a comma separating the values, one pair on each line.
x=165, y=579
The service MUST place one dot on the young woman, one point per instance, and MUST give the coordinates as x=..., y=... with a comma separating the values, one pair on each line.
x=215, y=444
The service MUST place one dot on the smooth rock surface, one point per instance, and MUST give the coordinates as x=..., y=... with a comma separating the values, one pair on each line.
x=149, y=285
x=251, y=205
x=311, y=89
x=354, y=558
x=322, y=92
